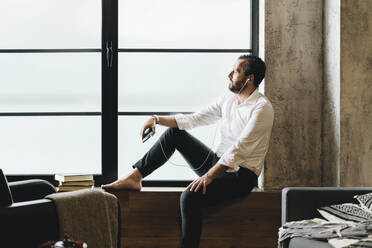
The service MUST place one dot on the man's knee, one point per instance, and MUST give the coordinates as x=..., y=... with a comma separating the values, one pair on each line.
x=190, y=199
x=174, y=132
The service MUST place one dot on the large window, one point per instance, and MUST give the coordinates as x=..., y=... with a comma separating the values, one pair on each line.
x=79, y=78
x=174, y=56
x=50, y=80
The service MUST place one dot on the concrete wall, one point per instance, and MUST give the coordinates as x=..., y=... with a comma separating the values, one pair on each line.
x=294, y=57
x=356, y=93
x=319, y=79
x=331, y=94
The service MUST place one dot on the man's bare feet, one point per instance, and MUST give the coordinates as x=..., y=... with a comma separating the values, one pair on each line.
x=132, y=182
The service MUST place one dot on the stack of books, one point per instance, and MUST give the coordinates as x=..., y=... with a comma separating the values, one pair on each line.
x=71, y=182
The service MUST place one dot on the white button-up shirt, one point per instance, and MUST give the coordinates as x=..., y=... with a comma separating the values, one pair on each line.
x=245, y=129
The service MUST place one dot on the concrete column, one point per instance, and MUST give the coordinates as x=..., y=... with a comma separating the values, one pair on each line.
x=356, y=93
x=294, y=58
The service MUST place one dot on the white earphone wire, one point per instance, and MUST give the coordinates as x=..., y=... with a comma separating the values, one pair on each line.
x=205, y=160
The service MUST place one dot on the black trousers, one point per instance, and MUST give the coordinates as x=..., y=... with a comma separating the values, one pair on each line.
x=225, y=187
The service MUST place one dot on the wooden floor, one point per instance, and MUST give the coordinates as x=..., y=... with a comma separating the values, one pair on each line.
x=151, y=218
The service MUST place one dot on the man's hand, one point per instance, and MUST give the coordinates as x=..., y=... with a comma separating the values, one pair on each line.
x=207, y=178
x=150, y=123
x=202, y=181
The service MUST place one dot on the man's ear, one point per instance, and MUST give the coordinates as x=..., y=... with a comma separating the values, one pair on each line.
x=251, y=78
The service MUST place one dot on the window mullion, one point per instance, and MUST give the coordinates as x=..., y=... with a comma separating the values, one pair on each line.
x=255, y=26
x=109, y=92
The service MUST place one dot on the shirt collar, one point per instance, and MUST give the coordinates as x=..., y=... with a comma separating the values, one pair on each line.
x=251, y=99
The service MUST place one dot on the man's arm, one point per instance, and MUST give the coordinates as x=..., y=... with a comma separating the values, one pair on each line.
x=168, y=121
x=205, y=116
x=216, y=170
x=207, y=178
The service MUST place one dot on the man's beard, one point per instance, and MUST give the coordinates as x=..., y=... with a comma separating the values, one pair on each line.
x=238, y=86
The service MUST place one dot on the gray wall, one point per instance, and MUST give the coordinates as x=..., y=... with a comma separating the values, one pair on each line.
x=293, y=54
x=356, y=93
x=319, y=79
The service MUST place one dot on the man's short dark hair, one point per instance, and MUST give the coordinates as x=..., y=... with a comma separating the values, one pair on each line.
x=254, y=66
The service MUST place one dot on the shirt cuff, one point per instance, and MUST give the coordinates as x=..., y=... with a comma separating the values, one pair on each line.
x=182, y=121
x=227, y=160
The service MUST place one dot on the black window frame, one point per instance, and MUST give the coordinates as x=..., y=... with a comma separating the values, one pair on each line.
x=109, y=91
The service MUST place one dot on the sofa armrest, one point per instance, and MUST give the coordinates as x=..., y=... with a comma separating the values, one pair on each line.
x=29, y=223
x=28, y=190
x=299, y=203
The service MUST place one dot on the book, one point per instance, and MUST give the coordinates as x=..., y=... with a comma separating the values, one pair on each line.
x=77, y=183
x=72, y=188
x=73, y=177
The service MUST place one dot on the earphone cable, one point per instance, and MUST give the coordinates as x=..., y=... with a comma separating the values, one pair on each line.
x=210, y=151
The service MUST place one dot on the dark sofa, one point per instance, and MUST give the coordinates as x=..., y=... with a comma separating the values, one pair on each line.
x=299, y=203
x=26, y=219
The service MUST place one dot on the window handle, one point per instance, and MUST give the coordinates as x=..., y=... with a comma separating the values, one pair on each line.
x=109, y=54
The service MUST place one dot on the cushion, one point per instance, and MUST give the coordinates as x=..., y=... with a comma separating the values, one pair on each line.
x=347, y=212
x=5, y=195
x=299, y=242
x=365, y=201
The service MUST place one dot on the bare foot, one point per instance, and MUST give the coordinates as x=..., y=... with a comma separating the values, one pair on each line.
x=132, y=182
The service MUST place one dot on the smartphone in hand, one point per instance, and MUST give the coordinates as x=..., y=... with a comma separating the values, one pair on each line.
x=147, y=134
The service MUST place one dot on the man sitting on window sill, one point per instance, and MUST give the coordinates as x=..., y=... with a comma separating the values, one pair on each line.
x=232, y=171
